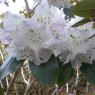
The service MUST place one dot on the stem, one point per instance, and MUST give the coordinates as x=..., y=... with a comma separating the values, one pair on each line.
x=27, y=6
x=12, y=81
x=22, y=73
x=67, y=88
x=56, y=90
x=1, y=54
x=16, y=89
x=30, y=83
x=7, y=82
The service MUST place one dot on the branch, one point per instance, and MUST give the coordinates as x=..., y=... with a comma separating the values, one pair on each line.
x=1, y=54
x=12, y=81
x=27, y=6
x=16, y=89
x=22, y=73
x=30, y=83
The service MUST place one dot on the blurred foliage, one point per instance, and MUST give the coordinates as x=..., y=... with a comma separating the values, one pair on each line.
x=82, y=22
x=85, y=8
x=3, y=53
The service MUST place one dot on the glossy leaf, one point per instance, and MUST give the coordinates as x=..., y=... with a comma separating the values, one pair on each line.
x=65, y=73
x=85, y=8
x=10, y=65
x=88, y=70
x=47, y=73
x=82, y=22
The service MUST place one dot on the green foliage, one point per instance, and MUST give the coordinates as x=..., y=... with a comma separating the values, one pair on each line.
x=82, y=22
x=10, y=65
x=65, y=73
x=46, y=73
x=85, y=8
x=52, y=72
x=88, y=70
x=1, y=91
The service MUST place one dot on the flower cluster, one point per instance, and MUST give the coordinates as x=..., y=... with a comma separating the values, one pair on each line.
x=44, y=34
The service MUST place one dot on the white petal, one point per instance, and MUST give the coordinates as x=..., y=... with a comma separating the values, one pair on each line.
x=76, y=41
x=63, y=56
x=42, y=56
x=10, y=21
x=91, y=54
x=79, y=59
x=26, y=53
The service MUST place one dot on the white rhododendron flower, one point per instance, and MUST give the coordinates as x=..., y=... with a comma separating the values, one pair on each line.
x=47, y=33
x=8, y=24
x=26, y=34
x=54, y=20
x=76, y=41
x=80, y=59
x=77, y=47
x=45, y=15
x=10, y=20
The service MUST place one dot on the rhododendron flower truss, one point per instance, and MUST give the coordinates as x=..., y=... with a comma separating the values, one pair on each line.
x=25, y=34
x=77, y=41
x=54, y=20
x=44, y=34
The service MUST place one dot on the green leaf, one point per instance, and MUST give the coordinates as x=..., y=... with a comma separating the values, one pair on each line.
x=65, y=73
x=46, y=73
x=88, y=70
x=10, y=65
x=1, y=91
x=85, y=8
x=82, y=22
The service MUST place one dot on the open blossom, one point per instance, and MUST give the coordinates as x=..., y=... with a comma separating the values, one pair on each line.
x=53, y=18
x=80, y=59
x=48, y=15
x=58, y=43
x=10, y=20
x=76, y=41
x=25, y=40
x=8, y=24
x=30, y=38
x=77, y=47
